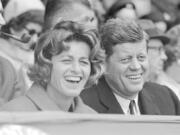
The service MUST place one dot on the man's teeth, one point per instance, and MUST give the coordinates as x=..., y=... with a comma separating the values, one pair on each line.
x=73, y=79
x=138, y=76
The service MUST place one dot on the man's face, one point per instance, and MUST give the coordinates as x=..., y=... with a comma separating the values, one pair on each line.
x=2, y=21
x=156, y=55
x=127, y=67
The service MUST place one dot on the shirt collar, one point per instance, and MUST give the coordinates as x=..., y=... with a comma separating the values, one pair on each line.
x=124, y=103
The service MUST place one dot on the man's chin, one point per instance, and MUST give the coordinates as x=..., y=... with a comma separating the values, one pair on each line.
x=136, y=88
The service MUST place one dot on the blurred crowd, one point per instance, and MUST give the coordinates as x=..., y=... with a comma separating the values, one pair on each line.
x=24, y=21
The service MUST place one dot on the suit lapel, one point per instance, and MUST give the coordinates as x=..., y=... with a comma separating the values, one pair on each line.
x=146, y=100
x=107, y=98
x=80, y=107
x=146, y=103
x=39, y=97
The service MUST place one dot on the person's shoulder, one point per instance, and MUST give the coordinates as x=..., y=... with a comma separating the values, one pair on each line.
x=81, y=107
x=94, y=88
x=159, y=90
x=155, y=87
x=88, y=92
x=163, y=97
x=22, y=103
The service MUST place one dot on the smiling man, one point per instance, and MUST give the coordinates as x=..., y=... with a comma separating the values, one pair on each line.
x=123, y=88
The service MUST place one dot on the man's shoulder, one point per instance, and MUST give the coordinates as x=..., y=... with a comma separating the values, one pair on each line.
x=89, y=92
x=92, y=97
x=159, y=91
x=155, y=87
x=161, y=97
x=94, y=89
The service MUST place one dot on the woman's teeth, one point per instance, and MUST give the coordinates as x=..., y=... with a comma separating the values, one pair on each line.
x=73, y=79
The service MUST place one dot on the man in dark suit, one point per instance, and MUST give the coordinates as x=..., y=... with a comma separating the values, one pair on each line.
x=124, y=89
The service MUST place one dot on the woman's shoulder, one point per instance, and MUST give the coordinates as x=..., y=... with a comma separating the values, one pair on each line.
x=22, y=103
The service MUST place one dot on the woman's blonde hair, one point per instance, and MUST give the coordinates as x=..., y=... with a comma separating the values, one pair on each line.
x=52, y=43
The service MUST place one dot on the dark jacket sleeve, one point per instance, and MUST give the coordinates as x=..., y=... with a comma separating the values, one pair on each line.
x=176, y=102
x=166, y=100
x=90, y=97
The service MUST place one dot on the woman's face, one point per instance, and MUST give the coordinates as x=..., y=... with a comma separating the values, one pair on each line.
x=71, y=69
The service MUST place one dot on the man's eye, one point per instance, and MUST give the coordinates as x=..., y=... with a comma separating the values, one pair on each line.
x=125, y=60
x=141, y=58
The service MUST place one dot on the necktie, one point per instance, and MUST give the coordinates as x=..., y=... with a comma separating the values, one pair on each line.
x=132, y=107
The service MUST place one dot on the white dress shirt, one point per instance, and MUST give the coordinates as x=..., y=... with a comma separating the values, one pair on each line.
x=124, y=103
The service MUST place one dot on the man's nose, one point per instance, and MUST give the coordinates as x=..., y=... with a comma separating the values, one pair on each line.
x=2, y=21
x=135, y=64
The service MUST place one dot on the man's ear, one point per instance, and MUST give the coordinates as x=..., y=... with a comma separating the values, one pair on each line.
x=106, y=63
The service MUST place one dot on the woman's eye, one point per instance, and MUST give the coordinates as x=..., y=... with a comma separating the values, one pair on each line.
x=66, y=60
x=84, y=62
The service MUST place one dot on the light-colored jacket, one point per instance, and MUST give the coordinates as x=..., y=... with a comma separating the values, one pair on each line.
x=8, y=81
x=37, y=99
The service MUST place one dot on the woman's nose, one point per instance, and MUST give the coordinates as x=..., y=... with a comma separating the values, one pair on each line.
x=76, y=67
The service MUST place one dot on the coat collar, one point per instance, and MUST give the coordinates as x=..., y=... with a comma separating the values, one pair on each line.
x=39, y=97
x=107, y=98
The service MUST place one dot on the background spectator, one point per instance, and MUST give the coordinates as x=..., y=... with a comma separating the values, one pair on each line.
x=122, y=8
x=80, y=11
x=8, y=77
x=172, y=65
x=157, y=56
x=24, y=20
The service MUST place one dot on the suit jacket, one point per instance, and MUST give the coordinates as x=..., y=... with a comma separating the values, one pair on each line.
x=154, y=99
x=37, y=99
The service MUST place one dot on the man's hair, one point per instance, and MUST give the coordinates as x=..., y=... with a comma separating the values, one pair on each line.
x=119, y=31
x=117, y=6
x=58, y=8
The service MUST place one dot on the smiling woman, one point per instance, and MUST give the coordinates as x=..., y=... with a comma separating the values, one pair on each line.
x=67, y=59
